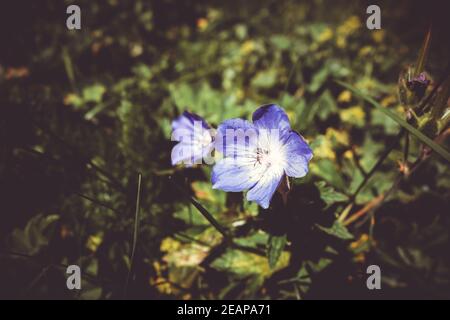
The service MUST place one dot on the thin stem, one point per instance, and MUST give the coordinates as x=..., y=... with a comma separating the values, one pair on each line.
x=377, y=165
x=135, y=232
x=370, y=210
x=357, y=162
x=248, y=249
x=208, y=216
x=423, y=107
x=102, y=204
x=406, y=149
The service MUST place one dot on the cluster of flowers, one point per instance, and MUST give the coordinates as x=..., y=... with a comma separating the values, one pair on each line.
x=255, y=156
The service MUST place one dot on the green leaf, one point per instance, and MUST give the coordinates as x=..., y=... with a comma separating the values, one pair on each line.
x=413, y=131
x=34, y=236
x=256, y=239
x=318, y=79
x=327, y=105
x=264, y=79
x=275, y=248
x=243, y=264
x=329, y=194
x=281, y=42
x=327, y=170
x=338, y=230
x=93, y=293
x=94, y=93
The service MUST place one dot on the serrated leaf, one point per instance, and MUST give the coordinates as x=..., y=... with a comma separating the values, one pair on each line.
x=328, y=194
x=275, y=248
x=338, y=230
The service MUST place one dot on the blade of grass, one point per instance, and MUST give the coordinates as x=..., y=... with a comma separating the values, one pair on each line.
x=423, y=54
x=413, y=131
x=69, y=68
x=97, y=202
x=135, y=233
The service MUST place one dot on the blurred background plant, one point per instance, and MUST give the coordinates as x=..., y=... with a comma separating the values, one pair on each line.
x=84, y=112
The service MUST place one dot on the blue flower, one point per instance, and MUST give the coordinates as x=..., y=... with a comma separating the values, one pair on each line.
x=257, y=155
x=194, y=137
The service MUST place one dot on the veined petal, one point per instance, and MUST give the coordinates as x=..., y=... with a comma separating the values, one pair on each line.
x=187, y=121
x=187, y=153
x=298, y=154
x=234, y=175
x=271, y=116
x=236, y=137
x=194, y=138
x=263, y=191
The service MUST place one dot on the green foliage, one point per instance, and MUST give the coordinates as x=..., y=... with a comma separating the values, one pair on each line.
x=422, y=137
x=275, y=248
x=337, y=230
x=84, y=112
x=329, y=194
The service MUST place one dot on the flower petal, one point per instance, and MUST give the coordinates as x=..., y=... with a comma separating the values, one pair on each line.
x=187, y=121
x=263, y=191
x=298, y=154
x=195, y=140
x=271, y=116
x=235, y=136
x=187, y=153
x=234, y=175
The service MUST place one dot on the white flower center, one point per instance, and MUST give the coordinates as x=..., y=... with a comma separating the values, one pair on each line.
x=270, y=154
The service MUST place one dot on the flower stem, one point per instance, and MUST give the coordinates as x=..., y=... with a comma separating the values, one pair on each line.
x=377, y=165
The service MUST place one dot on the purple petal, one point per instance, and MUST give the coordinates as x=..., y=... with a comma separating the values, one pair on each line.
x=298, y=154
x=187, y=154
x=271, y=116
x=234, y=175
x=194, y=138
x=263, y=191
x=235, y=136
x=187, y=121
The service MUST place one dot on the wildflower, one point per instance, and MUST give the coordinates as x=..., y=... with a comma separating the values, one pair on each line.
x=194, y=137
x=258, y=155
x=419, y=84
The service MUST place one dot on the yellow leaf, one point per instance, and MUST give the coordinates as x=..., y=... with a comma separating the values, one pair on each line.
x=354, y=115
x=247, y=47
x=364, y=51
x=170, y=244
x=378, y=35
x=202, y=24
x=325, y=35
x=345, y=96
x=340, y=137
x=389, y=100
x=323, y=149
x=93, y=242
